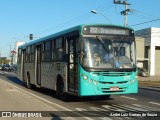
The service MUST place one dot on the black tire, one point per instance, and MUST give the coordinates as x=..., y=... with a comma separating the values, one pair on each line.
x=60, y=90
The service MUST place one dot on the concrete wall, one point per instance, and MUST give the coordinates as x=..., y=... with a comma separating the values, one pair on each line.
x=152, y=39
x=140, y=47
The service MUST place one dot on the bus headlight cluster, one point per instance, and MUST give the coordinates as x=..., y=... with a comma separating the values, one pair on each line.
x=132, y=81
x=93, y=81
x=90, y=80
x=84, y=77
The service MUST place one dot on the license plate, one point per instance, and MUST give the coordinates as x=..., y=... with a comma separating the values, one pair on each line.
x=114, y=88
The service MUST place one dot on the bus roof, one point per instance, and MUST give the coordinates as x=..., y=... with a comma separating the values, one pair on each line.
x=76, y=28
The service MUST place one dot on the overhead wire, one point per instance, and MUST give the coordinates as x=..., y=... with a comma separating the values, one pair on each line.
x=76, y=19
x=145, y=22
x=145, y=15
x=82, y=17
x=101, y=8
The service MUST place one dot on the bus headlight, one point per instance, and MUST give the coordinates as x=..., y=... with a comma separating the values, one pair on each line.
x=90, y=81
x=132, y=81
x=84, y=77
x=95, y=82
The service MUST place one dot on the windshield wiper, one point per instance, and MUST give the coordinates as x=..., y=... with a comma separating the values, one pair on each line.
x=100, y=39
x=103, y=43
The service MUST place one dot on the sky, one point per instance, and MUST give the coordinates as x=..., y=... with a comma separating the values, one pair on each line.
x=19, y=18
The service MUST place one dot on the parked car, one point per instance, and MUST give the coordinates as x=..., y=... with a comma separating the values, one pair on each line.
x=143, y=72
x=7, y=67
x=1, y=67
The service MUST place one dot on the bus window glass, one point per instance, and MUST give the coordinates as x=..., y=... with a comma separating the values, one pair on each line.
x=19, y=55
x=53, y=42
x=47, y=45
x=28, y=54
x=58, y=50
x=47, y=51
x=19, y=51
x=32, y=53
x=108, y=53
x=58, y=43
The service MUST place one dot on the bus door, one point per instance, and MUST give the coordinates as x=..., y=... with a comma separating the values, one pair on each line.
x=38, y=65
x=72, y=65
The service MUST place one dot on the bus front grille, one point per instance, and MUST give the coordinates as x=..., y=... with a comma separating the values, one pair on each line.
x=121, y=82
x=112, y=74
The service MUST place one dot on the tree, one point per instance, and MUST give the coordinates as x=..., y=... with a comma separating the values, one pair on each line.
x=4, y=60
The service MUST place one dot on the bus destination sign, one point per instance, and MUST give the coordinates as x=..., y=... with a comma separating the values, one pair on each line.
x=106, y=30
x=115, y=31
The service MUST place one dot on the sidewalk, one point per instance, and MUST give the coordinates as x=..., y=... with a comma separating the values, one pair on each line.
x=16, y=100
x=150, y=78
x=149, y=83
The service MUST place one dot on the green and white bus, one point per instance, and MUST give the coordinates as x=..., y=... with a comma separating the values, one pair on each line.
x=86, y=60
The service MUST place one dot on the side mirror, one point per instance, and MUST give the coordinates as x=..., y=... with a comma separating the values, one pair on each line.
x=81, y=54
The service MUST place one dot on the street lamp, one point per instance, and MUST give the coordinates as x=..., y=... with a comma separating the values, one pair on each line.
x=95, y=12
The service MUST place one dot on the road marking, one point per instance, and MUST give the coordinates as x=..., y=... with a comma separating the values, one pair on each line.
x=154, y=103
x=147, y=107
x=9, y=73
x=122, y=107
x=132, y=108
x=46, y=100
x=129, y=97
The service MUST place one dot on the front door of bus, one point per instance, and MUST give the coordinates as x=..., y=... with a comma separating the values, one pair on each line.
x=72, y=65
x=38, y=66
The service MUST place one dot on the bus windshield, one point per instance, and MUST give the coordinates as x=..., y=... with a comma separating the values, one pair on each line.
x=108, y=53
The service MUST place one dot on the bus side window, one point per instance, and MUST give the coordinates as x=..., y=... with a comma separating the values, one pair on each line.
x=19, y=55
x=47, y=51
x=32, y=53
x=53, y=43
x=58, y=49
x=28, y=54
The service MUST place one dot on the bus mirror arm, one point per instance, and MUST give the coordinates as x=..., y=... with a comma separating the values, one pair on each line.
x=81, y=54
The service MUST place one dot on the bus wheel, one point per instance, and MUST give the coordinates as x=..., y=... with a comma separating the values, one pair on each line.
x=60, y=90
x=28, y=81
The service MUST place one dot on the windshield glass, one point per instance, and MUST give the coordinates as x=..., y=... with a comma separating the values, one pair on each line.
x=108, y=53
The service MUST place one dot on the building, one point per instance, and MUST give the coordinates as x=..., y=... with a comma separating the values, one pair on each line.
x=16, y=50
x=151, y=49
x=140, y=47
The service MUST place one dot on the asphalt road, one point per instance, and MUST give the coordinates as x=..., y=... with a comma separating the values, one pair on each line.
x=118, y=107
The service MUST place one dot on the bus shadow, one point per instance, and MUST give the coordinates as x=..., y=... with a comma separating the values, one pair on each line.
x=51, y=93
x=17, y=81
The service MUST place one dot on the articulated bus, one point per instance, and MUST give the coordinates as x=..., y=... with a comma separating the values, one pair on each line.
x=86, y=60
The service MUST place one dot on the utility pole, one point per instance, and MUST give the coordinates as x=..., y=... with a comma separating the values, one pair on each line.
x=124, y=12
